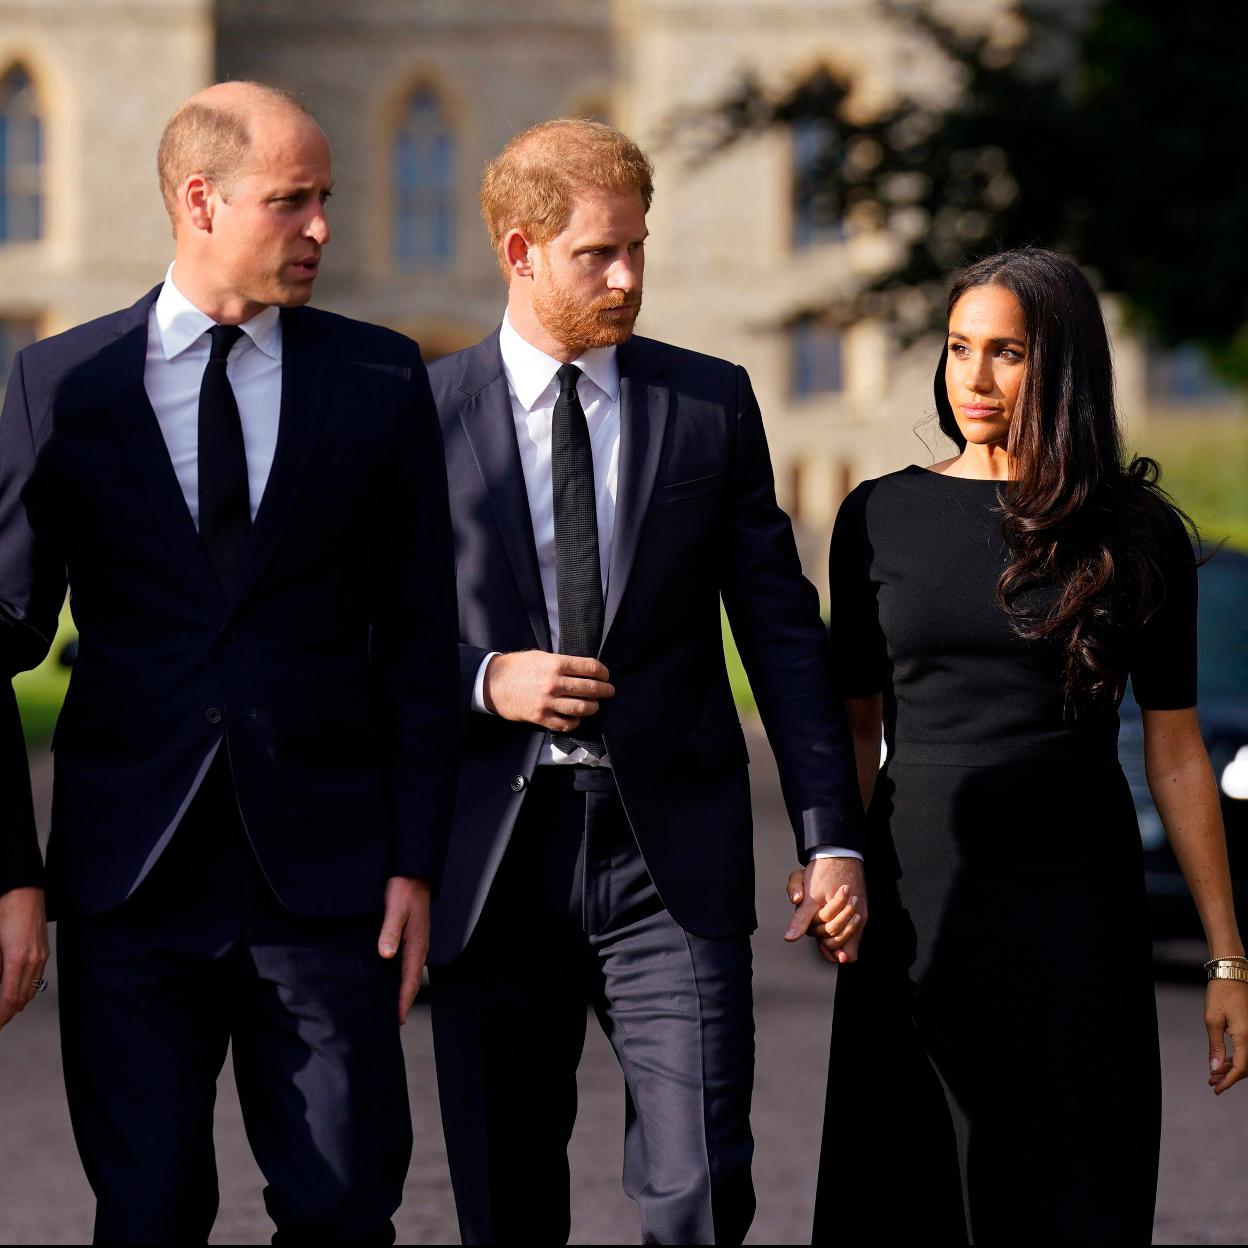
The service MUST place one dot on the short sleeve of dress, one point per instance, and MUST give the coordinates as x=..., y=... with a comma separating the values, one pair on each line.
x=1163, y=666
x=859, y=656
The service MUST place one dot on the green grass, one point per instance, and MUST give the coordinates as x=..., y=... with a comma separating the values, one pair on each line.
x=741, y=692
x=40, y=693
x=1204, y=466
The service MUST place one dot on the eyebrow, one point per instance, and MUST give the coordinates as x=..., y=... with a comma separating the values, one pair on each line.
x=996, y=342
x=290, y=188
x=600, y=246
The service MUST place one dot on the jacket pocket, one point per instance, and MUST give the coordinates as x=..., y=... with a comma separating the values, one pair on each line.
x=678, y=491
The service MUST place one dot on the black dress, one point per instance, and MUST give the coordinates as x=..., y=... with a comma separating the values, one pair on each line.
x=994, y=1049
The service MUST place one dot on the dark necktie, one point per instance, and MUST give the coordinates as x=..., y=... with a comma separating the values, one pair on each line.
x=224, y=507
x=578, y=572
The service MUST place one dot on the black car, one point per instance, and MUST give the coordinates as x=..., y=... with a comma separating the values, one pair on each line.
x=1223, y=712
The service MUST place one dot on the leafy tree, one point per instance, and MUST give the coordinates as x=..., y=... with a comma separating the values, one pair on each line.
x=1111, y=131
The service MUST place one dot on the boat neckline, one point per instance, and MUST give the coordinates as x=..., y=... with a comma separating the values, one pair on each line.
x=948, y=476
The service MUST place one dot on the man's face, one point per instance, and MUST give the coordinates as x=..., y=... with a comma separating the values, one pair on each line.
x=269, y=223
x=587, y=280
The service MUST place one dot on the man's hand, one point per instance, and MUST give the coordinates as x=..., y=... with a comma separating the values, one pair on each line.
x=23, y=949
x=831, y=900
x=554, y=691
x=405, y=928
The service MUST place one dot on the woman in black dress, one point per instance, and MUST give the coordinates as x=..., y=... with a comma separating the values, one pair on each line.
x=994, y=1065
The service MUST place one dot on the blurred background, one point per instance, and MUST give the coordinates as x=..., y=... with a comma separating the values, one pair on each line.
x=822, y=166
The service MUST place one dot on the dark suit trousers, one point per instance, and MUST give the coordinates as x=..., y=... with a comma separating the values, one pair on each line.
x=202, y=956
x=573, y=920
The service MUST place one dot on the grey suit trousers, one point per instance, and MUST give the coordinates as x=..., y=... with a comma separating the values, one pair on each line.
x=574, y=921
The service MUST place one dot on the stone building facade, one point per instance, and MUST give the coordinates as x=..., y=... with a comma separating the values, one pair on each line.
x=415, y=95
x=101, y=77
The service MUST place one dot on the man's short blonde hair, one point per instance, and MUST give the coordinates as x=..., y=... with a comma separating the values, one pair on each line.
x=212, y=139
x=530, y=184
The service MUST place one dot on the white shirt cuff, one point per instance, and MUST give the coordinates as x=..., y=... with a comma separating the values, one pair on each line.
x=478, y=686
x=830, y=851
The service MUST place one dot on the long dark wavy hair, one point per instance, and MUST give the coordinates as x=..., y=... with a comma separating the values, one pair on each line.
x=1081, y=521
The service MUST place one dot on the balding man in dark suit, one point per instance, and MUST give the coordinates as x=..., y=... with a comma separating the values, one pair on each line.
x=255, y=762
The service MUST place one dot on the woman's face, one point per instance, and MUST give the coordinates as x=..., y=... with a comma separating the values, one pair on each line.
x=986, y=363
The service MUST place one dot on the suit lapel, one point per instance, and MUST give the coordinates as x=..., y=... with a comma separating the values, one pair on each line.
x=307, y=362
x=643, y=423
x=491, y=431
x=121, y=384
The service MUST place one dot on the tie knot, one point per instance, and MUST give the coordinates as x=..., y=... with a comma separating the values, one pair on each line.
x=223, y=338
x=568, y=375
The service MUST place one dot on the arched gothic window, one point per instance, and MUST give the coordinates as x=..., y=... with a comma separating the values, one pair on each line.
x=21, y=159
x=424, y=183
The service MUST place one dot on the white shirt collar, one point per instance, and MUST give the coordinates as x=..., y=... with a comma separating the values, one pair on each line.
x=182, y=324
x=530, y=371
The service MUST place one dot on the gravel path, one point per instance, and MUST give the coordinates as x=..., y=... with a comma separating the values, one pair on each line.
x=45, y=1199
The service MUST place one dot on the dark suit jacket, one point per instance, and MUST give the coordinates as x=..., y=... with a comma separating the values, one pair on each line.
x=328, y=675
x=696, y=519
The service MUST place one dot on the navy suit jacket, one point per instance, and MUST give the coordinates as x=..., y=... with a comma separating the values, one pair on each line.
x=696, y=521
x=327, y=675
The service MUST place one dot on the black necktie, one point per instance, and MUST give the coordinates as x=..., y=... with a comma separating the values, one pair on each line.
x=578, y=572
x=224, y=507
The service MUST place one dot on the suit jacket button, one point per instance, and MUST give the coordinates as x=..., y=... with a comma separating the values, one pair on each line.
x=518, y=783
x=213, y=714
x=229, y=634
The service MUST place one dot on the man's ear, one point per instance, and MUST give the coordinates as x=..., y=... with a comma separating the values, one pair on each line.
x=518, y=252
x=198, y=202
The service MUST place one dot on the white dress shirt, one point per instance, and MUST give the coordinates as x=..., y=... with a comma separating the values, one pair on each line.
x=534, y=387
x=177, y=354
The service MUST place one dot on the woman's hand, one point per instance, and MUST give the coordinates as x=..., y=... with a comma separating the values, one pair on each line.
x=23, y=949
x=1226, y=1014
x=835, y=925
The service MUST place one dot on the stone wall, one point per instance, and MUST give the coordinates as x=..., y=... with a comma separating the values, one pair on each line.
x=108, y=74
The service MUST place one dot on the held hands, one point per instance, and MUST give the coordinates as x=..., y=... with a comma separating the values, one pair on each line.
x=23, y=949
x=554, y=691
x=1226, y=1014
x=405, y=934
x=831, y=900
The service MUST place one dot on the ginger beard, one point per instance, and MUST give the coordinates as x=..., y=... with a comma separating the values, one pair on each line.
x=605, y=322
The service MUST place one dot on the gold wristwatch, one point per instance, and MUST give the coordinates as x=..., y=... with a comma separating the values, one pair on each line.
x=1227, y=968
